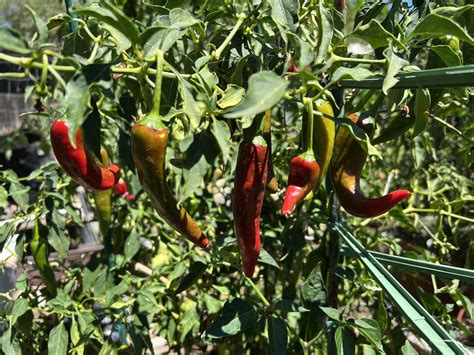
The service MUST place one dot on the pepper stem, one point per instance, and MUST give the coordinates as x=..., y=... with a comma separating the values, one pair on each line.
x=308, y=106
x=155, y=111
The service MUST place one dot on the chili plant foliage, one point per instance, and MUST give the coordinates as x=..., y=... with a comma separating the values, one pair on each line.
x=196, y=79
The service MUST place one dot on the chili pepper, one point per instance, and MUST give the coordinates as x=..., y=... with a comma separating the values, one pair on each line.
x=272, y=182
x=304, y=169
x=78, y=162
x=324, y=132
x=249, y=188
x=120, y=189
x=103, y=202
x=39, y=250
x=348, y=160
x=149, y=143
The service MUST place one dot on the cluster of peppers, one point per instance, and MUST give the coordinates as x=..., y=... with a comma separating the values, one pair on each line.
x=324, y=151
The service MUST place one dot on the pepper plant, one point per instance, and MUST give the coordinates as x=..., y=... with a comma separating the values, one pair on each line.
x=196, y=80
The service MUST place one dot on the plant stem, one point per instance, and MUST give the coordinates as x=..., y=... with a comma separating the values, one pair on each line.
x=158, y=80
x=335, y=58
x=260, y=294
x=218, y=52
x=308, y=103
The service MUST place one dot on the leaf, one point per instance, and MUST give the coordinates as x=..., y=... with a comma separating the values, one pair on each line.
x=3, y=197
x=332, y=313
x=113, y=20
x=221, y=133
x=213, y=305
x=166, y=31
x=266, y=258
x=408, y=349
x=447, y=55
x=370, y=329
x=422, y=105
x=452, y=11
x=265, y=90
x=236, y=316
x=303, y=51
x=362, y=138
x=195, y=272
x=58, y=340
x=76, y=100
x=40, y=25
x=277, y=335
x=435, y=25
x=375, y=34
x=313, y=291
x=132, y=245
x=13, y=41
x=368, y=11
x=231, y=97
x=395, y=63
x=283, y=13
x=19, y=193
x=345, y=342
x=20, y=307
x=326, y=25
x=357, y=73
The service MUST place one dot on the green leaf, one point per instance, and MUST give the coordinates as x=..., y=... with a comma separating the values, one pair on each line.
x=283, y=13
x=422, y=105
x=220, y=130
x=20, y=307
x=447, y=55
x=76, y=100
x=345, y=341
x=265, y=90
x=375, y=34
x=395, y=63
x=41, y=26
x=166, y=31
x=3, y=197
x=236, y=316
x=277, y=335
x=332, y=313
x=370, y=329
x=313, y=290
x=195, y=272
x=435, y=25
x=325, y=33
x=232, y=96
x=109, y=16
x=362, y=138
x=303, y=51
x=132, y=245
x=408, y=349
x=19, y=193
x=266, y=258
x=13, y=41
x=58, y=340
x=465, y=301
x=356, y=74
x=213, y=305
x=452, y=11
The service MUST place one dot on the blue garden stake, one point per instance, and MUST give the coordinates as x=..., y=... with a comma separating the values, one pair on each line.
x=73, y=24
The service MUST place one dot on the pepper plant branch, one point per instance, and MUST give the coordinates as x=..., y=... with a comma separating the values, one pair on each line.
x=433, y=210
x=257, y=291
x=218, y=52
x=335, y=58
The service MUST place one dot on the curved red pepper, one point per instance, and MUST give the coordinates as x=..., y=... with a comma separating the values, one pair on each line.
x=249, y=189
x=304, y=174
x=120, y=189
x=348, y=161
x=78, y=163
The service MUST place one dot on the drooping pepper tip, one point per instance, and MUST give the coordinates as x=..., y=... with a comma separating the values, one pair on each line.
x=249, y=270
x=203, y=242
x=399, y=195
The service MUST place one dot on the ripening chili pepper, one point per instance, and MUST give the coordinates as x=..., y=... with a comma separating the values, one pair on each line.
x=249, y=188
x=348, y=160
x=149, y=143
x=304, y=169
x=324, y=132
x=103, y=201
x=120, y=189
x=78, y=162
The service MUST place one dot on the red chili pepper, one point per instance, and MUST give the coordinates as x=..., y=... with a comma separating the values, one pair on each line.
x=304, y=174
x=304, y=169
x=78, y=163
x=348, y=160
x=249, y=189
x=120, y=189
